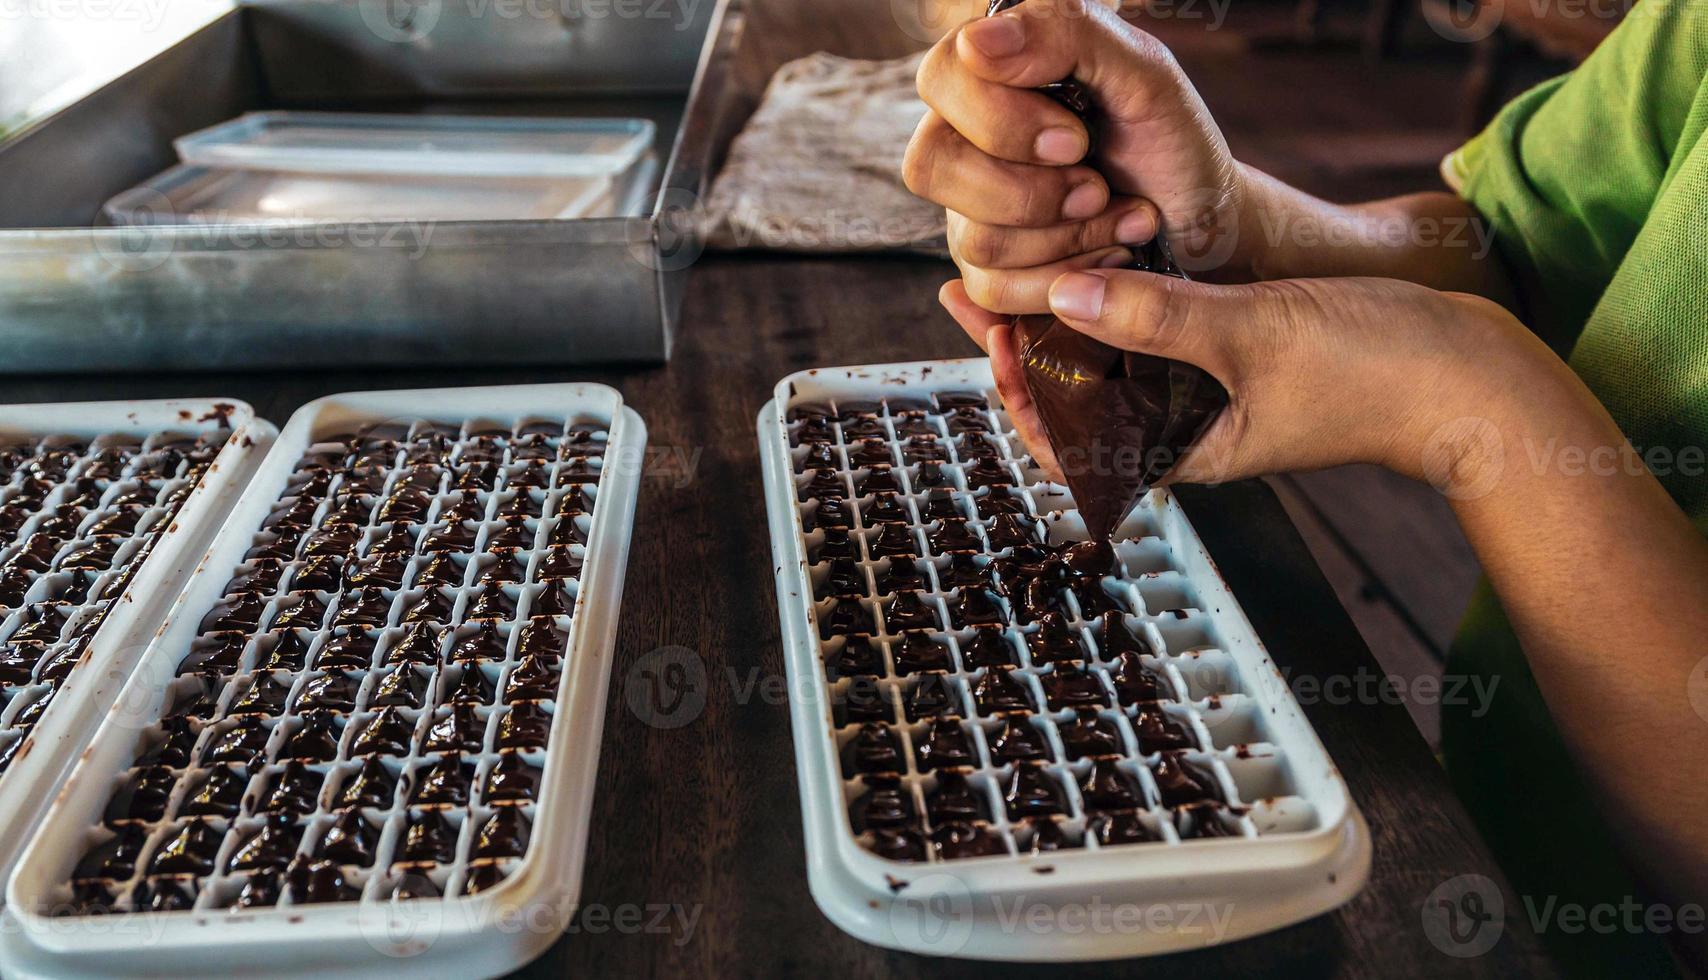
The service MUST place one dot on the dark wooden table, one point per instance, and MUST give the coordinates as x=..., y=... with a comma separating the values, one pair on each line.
x=704, y=818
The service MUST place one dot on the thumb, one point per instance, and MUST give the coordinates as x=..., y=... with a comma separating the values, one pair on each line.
x=1214, y=327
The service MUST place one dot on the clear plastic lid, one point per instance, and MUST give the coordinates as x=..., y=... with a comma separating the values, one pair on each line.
x=200, y=195
x=420, y=145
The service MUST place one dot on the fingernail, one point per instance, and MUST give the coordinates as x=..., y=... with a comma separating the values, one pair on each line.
x=1136, y=228
x=1078, y=296
x=1116, y=259
x=1059, y=144
x=997, y=37
x=1083, y=202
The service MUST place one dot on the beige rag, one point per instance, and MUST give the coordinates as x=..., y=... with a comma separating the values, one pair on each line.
x=818, y=166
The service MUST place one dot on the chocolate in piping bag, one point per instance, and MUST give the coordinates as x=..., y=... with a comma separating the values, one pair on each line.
x=1117, y=420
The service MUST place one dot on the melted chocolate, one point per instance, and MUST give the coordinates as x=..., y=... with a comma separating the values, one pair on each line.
x=533, y=678
x=312, y=882
x=963, y=840
x=428, y=839
x=460, y=730
x=1157, y=732
x=473, y=686
x=977, y=607
x=917, y=652
x=955, y=799
x=143, y=796
x=1115, y=637
x=887, y=803
x=244, y=740
x=259, y=891
x=213, y=656
x=1106, y=786
x=1017, y=741
x=1181, y=783
x=1031, y=792
x=419, y=646
x=349, y=651
x=170, y=745
x=115, y=857
x=386, y=733
x=164, y=895
x=874, y=748
x=512, y=780
x=1054, y=641
x=350, y=840
x=1070, y=685
x=1136, y=682
x=218, y=795
x=999, y=691
x=485, y=644
x=911, y=611
x=1202, y=821
x=188, y=851
x=932, y=695
x=899, y=844
x=444, y=782
x=902, y=574
x=893, y=541
x=269, y=848
x=527, y=725
x=1117, y=420
x=987, y=647
x=1089, y=735
x=504, y=835
x=332, y=691
x=291, y=791
x=943, y=744
x=87, y=898
x=1048, y=837
x=483, y=877
x=1121, y=827
x=373, y=785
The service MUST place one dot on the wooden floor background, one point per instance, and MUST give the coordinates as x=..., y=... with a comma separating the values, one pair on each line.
x=1325, y=118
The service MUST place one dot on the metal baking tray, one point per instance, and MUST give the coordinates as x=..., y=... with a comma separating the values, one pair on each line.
x=75, y=295
x=46, y=720
x=360, y=166
x=961, y=764
x=352, y=700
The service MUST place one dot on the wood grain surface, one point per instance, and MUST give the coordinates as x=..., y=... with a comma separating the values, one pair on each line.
x=695, y=866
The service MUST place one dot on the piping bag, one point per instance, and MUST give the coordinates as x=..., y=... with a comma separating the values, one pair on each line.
x=1117, y=420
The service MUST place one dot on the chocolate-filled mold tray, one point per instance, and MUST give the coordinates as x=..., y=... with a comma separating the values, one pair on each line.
x=370, y=725
x=991, y=713
x=104, y=508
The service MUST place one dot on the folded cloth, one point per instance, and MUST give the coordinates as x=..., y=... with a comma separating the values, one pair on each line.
x=818, y=166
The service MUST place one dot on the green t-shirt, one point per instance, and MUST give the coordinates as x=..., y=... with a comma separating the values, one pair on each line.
x=1596, y=184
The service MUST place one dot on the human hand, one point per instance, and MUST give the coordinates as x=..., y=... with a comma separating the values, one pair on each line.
x=1319, y=372
x=1009, y=163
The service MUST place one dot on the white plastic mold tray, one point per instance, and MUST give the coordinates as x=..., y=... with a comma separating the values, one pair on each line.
x=104, y=508
x=993, y=745
x=370, y=727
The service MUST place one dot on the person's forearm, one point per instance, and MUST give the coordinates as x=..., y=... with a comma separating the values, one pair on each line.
x=1433, y=239
x=1605, y=581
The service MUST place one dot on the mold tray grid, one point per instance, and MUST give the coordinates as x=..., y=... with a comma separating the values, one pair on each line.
x=103, y=508
x=370, y=725
x=958, y=749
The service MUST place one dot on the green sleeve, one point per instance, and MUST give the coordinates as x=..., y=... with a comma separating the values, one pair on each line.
x=1567, y=173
